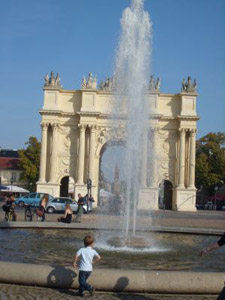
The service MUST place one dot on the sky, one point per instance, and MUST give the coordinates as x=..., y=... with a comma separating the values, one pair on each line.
x=75, y=37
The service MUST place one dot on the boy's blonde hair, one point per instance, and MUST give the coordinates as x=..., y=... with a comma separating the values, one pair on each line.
x=88, y=240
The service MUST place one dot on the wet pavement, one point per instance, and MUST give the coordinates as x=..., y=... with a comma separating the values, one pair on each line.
x=16, y=292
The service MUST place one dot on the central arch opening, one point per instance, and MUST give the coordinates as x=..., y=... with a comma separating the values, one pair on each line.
x=112, y=185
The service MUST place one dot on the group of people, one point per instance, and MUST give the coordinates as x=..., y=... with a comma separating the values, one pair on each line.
x=9, y=208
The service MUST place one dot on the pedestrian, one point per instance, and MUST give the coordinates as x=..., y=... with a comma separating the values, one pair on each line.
x=67, y=215
x=9, y=208
x=86, y=256
x=80, y=203
x=41, y=209
x=214, y=246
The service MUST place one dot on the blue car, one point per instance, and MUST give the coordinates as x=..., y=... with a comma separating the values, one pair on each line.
x=31, y=199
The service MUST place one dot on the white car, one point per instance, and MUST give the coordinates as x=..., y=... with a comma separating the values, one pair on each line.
x=59, y=204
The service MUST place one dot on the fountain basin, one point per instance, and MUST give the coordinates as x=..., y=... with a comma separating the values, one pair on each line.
x=177, y=252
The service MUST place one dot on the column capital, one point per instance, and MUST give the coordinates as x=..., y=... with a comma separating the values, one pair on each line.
x=93, y=127
x=182, y=130
x=193, y=131
x=82, y=126
x=153, y=131
x=44, y=125
x=55, y=126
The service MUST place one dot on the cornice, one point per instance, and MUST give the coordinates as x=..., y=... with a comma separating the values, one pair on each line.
x=69, y=91
x=57, y=112
x=50, y=112
x=88, y=113
x=194, y=118
x=189, y=94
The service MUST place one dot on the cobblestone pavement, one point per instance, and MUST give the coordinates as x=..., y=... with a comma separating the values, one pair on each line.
x=16, y=292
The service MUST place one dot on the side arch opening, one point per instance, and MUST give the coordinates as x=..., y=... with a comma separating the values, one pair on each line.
x=165, y=195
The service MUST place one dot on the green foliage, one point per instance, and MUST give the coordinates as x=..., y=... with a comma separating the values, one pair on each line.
x=210, y=160
x=30, y=162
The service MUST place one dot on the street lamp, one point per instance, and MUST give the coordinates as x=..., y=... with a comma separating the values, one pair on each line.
x=11, y=183
x=31, y=186
x=0, y=186
x=89, y=186
x=216, y=189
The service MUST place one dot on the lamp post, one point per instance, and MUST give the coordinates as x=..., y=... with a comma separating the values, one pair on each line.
x=216, y=189
x=89, y=186
x=0, y=186
x=11, y=183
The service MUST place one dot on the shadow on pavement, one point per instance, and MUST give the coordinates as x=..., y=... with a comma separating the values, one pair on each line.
x=121, y=284
x=133, y=297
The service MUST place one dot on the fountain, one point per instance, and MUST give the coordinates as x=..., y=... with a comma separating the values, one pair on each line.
x=132, y=70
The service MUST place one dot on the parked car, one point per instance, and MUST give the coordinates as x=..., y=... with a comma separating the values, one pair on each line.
x=59, y=204
x=31, y=199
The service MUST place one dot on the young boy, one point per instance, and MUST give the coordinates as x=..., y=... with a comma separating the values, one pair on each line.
x=87, y=257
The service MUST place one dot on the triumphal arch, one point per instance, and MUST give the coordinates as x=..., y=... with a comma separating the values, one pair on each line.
x=78, y=124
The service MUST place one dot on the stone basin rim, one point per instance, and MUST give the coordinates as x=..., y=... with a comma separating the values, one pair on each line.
x=73, y=226
x=119, y=280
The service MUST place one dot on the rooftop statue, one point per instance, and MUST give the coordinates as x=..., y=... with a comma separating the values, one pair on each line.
x=90, y=83
x=154, y=86
x=188, y=86
x=52, y=81
x=107, y=85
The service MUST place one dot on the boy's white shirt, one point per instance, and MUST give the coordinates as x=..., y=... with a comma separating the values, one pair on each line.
x=86, y=256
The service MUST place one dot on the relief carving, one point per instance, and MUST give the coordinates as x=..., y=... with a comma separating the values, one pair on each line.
x=66, y=166
x=104, y=135
x=68, y=138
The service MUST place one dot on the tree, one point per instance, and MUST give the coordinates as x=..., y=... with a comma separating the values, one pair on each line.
x=210, y=160
x=30, y=162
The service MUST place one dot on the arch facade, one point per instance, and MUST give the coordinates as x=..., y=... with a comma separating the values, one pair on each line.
x=76, y=124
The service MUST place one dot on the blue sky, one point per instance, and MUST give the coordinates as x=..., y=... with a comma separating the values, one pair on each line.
x=74, y=37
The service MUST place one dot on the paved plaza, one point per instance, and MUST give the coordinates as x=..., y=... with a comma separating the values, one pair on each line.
x=16, y=292
x=204, y=220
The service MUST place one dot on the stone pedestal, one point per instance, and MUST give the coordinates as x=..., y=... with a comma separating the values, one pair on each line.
x=185, y=199
x=148, y=199
x=49, y=188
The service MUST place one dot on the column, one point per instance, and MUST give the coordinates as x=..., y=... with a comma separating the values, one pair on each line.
x=42, y=176
x=81, y=154
x=92, y=152
x=144, y=160
x=154, y=160
x=54, y=153
x=192, y=159
x=181, y=158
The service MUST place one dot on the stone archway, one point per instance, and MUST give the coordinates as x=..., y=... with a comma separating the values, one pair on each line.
x=77, y=124
x=64, y=187
x=165, y=195
x=67, y=187
x=111, y=158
